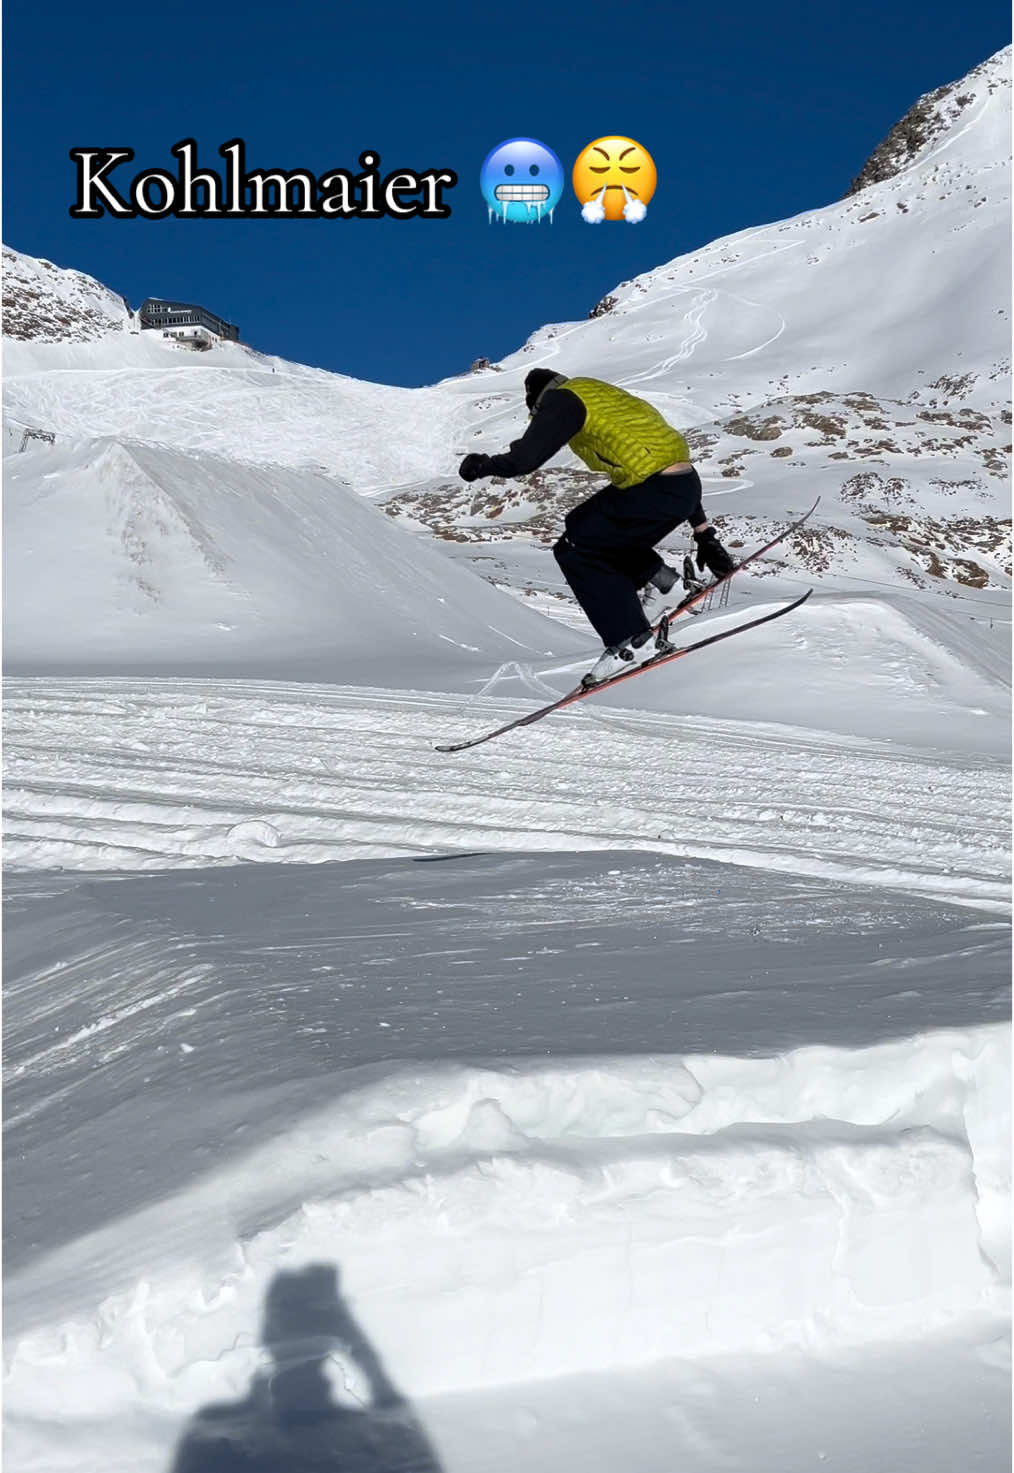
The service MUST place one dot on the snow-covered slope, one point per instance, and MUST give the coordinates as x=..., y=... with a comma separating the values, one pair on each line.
x=885, y=291
x=868, y=339
x=227, y=401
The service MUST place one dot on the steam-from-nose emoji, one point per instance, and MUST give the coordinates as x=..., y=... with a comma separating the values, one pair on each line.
x=614, y=179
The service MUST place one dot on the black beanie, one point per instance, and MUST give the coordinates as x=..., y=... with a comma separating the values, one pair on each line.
x=539, y=379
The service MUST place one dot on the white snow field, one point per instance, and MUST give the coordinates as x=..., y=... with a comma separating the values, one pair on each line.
x=631, y=1093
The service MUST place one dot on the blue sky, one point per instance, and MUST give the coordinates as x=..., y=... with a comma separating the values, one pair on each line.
x=751, y=112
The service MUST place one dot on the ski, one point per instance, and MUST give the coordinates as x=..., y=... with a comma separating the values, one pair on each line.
x=687, y=606
x=664, y=658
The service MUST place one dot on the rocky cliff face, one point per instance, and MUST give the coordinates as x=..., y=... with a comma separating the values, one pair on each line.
x=48, y=304
x=925, y=124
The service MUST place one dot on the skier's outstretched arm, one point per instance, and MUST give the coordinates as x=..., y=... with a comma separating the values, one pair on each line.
x=559, y=417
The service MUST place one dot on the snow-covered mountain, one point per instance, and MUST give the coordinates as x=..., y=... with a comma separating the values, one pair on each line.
x=924, y=127
x=859, y=351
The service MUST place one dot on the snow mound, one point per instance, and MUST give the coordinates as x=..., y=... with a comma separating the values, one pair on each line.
x=495, y=1225
x=507, y=1119
x=127, y=555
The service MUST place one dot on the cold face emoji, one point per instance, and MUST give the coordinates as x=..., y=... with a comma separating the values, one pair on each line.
x=614, y=178
x=521, y=180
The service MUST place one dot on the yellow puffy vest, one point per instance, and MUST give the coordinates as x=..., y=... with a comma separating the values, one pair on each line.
x=623, y=437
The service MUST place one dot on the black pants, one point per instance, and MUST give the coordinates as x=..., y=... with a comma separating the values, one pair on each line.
x=607, y=550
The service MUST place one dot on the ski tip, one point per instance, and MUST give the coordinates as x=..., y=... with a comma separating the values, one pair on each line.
x=462, y=746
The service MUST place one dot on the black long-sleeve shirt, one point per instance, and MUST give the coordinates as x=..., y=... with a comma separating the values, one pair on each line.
x=557, y=420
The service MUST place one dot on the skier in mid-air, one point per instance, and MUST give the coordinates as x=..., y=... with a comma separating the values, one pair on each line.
x=607, y=551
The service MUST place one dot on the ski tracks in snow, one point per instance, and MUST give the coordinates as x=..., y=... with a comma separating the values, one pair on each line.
x=128, y=774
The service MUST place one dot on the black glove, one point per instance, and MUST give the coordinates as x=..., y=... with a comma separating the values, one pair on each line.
x=473, y=466
x=711, y=554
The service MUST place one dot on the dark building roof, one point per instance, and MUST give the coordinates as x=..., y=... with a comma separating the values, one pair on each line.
x=156, y=312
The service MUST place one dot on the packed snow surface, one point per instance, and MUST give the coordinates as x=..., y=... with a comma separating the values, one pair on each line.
x=149, y=775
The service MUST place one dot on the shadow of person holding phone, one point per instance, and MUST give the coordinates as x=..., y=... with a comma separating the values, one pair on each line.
x=289, y=1421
